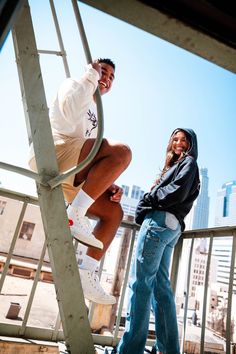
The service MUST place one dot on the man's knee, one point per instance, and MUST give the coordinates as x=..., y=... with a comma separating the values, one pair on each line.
x=115, y=210
x=120, y=211
x=110, y=211
x=120, y=152
x=125, y=152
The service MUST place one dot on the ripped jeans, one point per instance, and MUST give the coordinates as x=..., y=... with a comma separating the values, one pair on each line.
x=149, y=286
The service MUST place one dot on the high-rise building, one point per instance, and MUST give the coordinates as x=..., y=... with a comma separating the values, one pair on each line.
x=222, y=248
x=136, y=192
x=225, y=215
x=129, y=203
x=199, y=214
x=197, y=278
x=201, y=208
x=125, y=190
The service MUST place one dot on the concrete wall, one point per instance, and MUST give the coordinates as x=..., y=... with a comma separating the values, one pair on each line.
x=8, y=221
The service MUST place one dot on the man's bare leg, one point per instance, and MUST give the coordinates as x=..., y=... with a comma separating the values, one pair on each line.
x=109, y=163
x=110, y=215
x=98, y=177
x=111, y=160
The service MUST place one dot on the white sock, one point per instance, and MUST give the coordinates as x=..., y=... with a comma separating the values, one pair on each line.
x=89, y=263
x=82, y=202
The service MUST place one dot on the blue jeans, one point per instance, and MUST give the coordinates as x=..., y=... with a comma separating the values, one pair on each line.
x=149, y=285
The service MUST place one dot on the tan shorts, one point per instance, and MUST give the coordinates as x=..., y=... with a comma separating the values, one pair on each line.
x=67, y=153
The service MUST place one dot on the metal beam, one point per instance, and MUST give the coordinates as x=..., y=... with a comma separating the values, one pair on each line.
x=9, y=12
x=59, y=241
x=170, y=28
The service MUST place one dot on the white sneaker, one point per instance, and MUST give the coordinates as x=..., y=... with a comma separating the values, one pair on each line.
x=81, y=229
x=93, y=290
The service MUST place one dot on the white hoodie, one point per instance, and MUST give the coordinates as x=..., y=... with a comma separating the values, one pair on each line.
x=73, y=112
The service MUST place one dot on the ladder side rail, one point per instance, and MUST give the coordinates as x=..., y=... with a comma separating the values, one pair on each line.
x=59, y=179
x=60, y=247
x=59, y=36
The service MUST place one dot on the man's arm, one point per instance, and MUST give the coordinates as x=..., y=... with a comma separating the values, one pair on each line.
x=75, y=96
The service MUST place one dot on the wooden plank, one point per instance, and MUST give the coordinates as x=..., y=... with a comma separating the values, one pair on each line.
x=27, y=348
x=209, y=348
x=217, y=346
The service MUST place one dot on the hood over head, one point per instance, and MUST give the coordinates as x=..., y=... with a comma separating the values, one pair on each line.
x=192, y=137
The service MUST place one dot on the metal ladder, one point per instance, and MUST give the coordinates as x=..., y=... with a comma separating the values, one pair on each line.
x=66, y=277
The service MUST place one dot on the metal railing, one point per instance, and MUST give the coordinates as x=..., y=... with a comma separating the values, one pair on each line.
x=55, y=333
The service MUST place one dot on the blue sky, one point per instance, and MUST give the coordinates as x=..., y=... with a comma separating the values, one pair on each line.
x=158, y=87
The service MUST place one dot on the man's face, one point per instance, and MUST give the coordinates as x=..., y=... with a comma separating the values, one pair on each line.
x=107, y=77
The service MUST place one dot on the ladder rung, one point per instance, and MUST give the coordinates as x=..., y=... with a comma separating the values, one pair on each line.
x=59, y=53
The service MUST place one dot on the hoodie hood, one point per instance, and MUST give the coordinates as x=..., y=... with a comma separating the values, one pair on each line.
x=193, y=150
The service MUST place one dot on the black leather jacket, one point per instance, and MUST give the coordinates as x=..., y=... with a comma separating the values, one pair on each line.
x=177, y=189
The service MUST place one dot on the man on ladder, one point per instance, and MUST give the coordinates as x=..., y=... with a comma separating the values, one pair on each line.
x=73, y=117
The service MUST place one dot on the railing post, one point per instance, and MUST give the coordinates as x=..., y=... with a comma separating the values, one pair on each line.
x=176, y=259
x=230, y=294
x=206, y=284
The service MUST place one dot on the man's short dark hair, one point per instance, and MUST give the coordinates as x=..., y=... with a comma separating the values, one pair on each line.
x=107, y=61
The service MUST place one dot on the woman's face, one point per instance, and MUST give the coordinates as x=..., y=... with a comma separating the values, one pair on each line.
x=180, y=143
